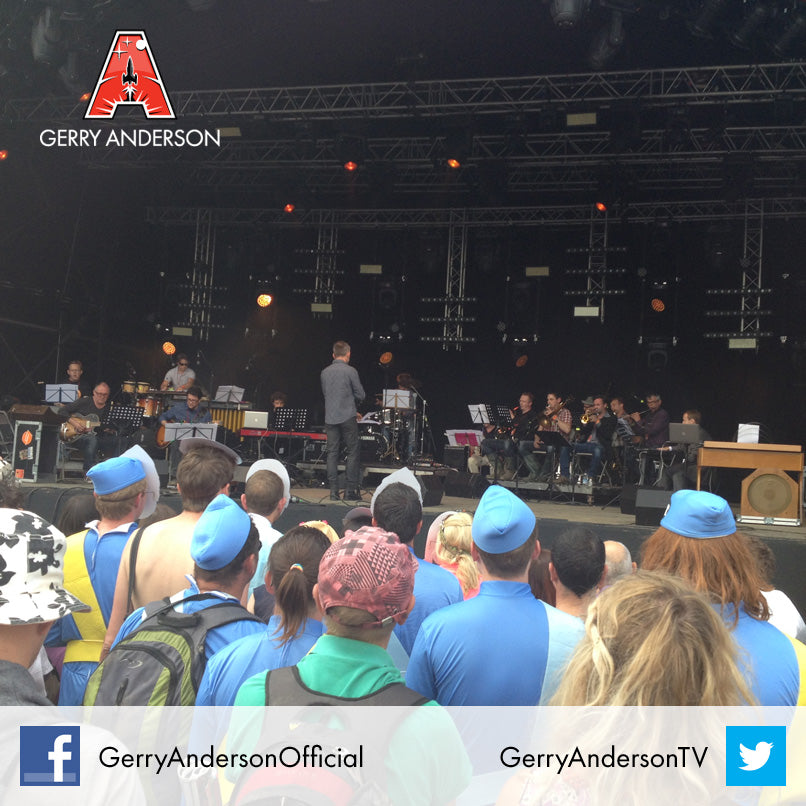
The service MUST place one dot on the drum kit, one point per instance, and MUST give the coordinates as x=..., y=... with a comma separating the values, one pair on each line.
x=152, y=401
x=381, y=433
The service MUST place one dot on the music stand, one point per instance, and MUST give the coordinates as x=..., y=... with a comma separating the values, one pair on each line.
x=398, y=399
x=287, y=419
x=61, y=393
x=175, y=431
x=228, y=394
x=503, y=415
x=479, y=413
x=123, y=420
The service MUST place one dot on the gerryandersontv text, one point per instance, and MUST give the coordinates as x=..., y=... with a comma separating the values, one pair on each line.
x=309, y=755
x=512, y=757
x=139, y=138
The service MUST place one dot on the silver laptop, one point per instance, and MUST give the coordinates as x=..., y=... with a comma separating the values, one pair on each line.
x=256, y=419
x=684, y=434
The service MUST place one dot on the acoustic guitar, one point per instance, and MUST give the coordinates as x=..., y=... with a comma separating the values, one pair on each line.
x=68, y=432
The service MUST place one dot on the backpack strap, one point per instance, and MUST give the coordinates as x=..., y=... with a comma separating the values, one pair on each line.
x=133, y=549
x=285, y=687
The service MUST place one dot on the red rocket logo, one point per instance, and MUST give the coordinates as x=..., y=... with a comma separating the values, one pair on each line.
x=130, y=78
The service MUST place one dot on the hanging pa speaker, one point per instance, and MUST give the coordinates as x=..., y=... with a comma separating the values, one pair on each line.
x=769, y=494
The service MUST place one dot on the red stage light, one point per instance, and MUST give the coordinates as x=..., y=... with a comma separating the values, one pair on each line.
x=350, y=166
x=289, y=208
x=3, y=154
x=601, y=207
x=454, y=163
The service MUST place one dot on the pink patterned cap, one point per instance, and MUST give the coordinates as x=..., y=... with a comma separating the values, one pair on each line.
x=368, y=570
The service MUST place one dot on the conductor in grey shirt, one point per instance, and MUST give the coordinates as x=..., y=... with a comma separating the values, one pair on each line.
x=342, y=390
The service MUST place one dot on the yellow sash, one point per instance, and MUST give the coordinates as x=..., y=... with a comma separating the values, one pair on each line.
x=90, y=625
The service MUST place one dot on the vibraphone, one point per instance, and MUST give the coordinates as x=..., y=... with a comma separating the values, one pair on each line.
x=230, y=415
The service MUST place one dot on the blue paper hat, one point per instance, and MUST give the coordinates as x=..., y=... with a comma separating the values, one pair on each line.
x=220, y=534
x=115, y=474
x=502, y=521
x=696, y=513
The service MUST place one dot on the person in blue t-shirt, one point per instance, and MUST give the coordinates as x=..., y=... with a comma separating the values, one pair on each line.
x=698, y=541
x=504, y=646
x=224, y=550
x=292, y=630
x=397, y=507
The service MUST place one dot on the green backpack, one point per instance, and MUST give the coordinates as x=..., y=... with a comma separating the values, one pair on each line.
x=163, y=660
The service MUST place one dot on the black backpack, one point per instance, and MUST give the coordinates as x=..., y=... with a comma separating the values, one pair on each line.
x=163, y=660
x=328, y=727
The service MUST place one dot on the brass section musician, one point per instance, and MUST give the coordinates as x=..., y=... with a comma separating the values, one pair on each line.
x=556, y=417
x=501, y=446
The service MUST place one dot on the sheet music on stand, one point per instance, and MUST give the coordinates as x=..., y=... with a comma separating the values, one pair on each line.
x=398, y=399
x=120, y=414
x=61, y=392
x=479, y=413
x=174, y=431
x=228, y=394
x=287, y=419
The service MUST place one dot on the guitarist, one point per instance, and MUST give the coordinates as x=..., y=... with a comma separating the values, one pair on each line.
x=85, y=415
x=188, y=411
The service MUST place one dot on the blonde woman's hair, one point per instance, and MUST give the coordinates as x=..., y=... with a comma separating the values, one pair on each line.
x=453, y=546
x=325, y=528
x=651, y=639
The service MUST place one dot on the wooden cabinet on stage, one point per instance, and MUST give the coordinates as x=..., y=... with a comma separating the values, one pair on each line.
x=770, y=494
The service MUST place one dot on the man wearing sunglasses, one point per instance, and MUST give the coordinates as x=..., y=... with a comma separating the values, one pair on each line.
x=180, y=377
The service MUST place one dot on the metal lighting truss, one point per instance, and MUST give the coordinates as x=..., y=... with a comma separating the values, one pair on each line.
x=597, y=270
x=200, y=291
x=730, y=84
x=750, y=291
x=557, y=215
x=453, y=314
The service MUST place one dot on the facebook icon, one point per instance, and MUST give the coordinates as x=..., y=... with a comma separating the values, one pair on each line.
x=50, y=755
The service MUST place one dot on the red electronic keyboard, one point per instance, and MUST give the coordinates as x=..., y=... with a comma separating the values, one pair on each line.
x=259, y=432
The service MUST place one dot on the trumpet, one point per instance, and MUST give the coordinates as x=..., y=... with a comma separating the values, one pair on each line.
x=587, y=417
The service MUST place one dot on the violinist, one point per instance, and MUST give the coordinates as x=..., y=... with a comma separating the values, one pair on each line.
x=556, y=417
x=502, y=445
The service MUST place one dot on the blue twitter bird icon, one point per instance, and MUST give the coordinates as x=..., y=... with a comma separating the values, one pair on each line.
x=755, y=755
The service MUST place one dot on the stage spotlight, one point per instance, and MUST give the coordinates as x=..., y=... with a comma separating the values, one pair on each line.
x=568, y=13
x=607, y=41
x=657, y=305
x=601, y=207
x=46, y=37
x=168, y=347
x=3, y=154
x=743, y=35
x=350, y=166
x=289, y=207
x=701, y=25
x=264, y=300
x=453, y=163
x=795, y=31
x=386, y=358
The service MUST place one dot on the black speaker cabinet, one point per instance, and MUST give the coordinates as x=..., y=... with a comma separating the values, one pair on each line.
x=455, y=456
x=465, y=485
x=628, y=492
x=433, y=490
x=650, y=505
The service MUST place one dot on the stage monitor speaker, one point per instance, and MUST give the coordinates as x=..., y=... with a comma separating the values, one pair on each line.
x=769, y=493
x=433, y=490
x=455, y=456
x=650, y=505
x=628, y=492
x=465, y=485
